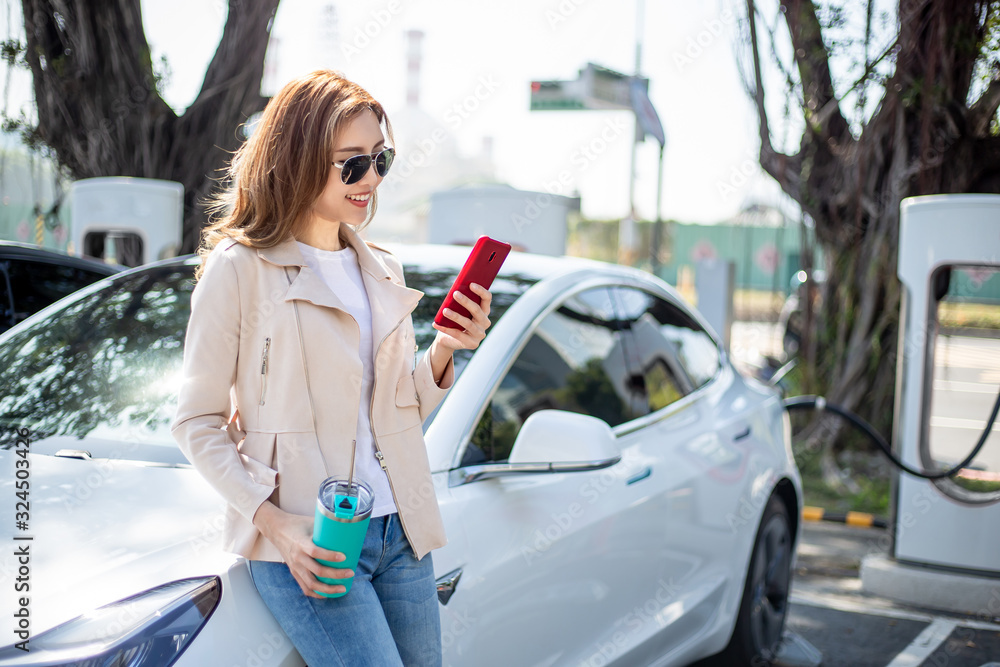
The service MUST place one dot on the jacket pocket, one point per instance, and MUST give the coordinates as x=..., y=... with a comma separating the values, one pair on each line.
x=406, y=392
x=256, y=453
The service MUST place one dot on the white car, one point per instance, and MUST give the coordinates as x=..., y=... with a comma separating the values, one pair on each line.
x=613, y=492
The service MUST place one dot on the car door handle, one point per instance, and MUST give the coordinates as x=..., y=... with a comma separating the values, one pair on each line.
x=446, y=584
x=639, y=476
x=742, y=435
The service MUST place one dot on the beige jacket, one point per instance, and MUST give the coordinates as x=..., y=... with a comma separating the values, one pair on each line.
x=242, y=351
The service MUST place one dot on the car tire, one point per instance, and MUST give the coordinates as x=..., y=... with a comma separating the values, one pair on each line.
x=764, y=607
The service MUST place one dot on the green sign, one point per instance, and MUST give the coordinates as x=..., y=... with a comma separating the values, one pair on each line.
x=556, y=104
x=596, y=88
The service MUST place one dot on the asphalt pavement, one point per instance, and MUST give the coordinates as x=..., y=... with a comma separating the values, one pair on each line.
x=966, y=383
x=853, y=629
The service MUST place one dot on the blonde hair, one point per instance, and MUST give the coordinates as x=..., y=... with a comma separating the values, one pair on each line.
x=278, y=173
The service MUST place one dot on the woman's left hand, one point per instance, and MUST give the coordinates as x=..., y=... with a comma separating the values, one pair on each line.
x=473, y=329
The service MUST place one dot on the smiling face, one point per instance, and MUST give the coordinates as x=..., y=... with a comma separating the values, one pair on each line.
x=346, y=203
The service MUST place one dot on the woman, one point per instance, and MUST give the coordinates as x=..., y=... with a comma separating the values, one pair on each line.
x=300, y=351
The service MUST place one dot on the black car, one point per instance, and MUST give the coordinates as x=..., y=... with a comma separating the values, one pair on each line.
x=31, y=278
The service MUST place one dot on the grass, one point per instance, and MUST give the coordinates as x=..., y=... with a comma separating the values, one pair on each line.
x=873, y=497
x=974, y=315
x=855, y=456
x=977, y=485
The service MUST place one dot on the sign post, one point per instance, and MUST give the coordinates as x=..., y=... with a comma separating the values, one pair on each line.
x=602, y=89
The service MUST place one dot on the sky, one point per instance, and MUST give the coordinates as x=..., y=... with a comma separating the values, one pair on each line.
x=478, y=61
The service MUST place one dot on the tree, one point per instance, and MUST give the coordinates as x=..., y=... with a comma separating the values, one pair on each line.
x=99, y=112
x=928, y=132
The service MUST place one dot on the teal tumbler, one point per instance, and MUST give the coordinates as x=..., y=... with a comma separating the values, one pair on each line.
x=342, y=516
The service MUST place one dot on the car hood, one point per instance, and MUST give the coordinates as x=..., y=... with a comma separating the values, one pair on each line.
x=101, y=530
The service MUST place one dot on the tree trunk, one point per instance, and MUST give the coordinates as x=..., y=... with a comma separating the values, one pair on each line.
x=923, y=139
x=98, y=105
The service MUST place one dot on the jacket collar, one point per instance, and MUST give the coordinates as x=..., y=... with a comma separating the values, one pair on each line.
x=287, y=253
x=389, y=299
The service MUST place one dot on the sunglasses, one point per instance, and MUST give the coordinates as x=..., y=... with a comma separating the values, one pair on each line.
x=353, y=169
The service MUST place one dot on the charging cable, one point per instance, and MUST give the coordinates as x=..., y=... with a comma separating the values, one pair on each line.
x=820, y=404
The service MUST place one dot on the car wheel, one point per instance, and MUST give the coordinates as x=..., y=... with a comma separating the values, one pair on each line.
x=764, y=606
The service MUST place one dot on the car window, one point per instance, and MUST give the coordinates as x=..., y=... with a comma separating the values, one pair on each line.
x=6, y=302
x=574, y=361
x=105, y=366
x=666, y=346
x=35, y=285
x=434, y=282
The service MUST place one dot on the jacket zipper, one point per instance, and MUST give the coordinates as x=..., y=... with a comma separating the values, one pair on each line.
x=263, y=370
x=392, y=490
x=371, y=420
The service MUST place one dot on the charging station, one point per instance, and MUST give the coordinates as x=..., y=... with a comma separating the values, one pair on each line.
x=128, y=221
x=944, y=549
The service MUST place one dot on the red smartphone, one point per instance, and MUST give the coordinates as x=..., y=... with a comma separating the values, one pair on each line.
x=481, y=268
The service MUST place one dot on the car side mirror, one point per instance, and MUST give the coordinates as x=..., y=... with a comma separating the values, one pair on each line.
x=550, y=441
x=556, y=436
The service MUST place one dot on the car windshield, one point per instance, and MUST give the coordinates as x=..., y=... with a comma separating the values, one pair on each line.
x=106, y=366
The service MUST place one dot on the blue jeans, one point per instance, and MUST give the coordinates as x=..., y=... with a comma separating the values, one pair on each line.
x=389, y=617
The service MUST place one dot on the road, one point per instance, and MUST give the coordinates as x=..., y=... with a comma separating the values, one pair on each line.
x=966, y=384
x=853, y=629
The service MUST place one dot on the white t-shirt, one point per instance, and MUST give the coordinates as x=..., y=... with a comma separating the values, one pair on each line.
x=339, y=269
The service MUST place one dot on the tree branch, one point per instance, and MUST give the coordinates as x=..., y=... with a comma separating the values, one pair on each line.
x=781, y=167
x=230, y=91
x=984, y=109
x=758, y=91
x=791, y=88
x=93, y=83
x=825, y=118
x=985, y=155
x=232, y=81
x=98, y=105
x=238, y=64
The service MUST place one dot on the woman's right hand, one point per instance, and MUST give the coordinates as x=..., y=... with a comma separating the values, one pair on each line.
x=291, y=534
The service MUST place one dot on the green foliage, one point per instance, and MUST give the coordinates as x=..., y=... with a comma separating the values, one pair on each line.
x=30, y=136
x=873, y=494
x=830, y=16
x=161, y=74
x=990, y=46
x=12, y=52
x=589, y=391
x=988, y=63
x=977, y=485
